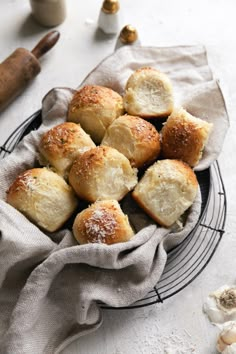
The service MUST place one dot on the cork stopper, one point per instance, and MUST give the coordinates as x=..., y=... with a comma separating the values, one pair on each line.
x=110, y=6
x=128, y=34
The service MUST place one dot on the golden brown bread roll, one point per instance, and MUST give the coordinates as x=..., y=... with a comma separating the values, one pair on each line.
x=102, y=222
x=62, y=144
x=102, y=173
x=95, y=108
x=166, y=190
x=134, y=137
x=184, y=137
x=43, y=197
x=148, y=94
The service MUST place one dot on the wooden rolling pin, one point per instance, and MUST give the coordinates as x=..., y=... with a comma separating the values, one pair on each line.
x=21, y=67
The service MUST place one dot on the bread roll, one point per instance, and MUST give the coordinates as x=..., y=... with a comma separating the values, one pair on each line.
x=102, y=173
x=95, y=108
x=148, y=93
x=134, y=137
x=184, y=137
x=167, y=189
x=43, y=197
x=62, y=144
x=102, y=222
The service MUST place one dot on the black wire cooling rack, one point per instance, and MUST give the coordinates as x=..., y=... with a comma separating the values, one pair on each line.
x=186, y=261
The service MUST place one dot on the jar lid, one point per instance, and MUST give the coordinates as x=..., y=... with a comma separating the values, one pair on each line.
x=110, y=6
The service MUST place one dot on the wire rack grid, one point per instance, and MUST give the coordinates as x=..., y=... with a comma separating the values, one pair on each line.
x=186, y=261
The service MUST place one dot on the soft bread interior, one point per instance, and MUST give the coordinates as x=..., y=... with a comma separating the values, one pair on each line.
x=43, y=197
x=148, y=93
x=120, y=138
x=116, y=180
x=165, y=192
x=102, y=173
x=149, y=98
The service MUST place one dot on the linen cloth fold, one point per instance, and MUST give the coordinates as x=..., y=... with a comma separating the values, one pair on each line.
x=50, y=285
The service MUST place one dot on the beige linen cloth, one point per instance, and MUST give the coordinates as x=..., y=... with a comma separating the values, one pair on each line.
x=50, y=285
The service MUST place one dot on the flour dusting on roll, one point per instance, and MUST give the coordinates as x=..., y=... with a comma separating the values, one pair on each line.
x=167, y=189
x=43, y=197
x=102, y=222
x=95, y=108
x=102, y=173
x=62, y=144
x=134, y=137
x=148, y=94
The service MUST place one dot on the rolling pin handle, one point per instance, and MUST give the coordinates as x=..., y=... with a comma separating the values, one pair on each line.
x=46, y=43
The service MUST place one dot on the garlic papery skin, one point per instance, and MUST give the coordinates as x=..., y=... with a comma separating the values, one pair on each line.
x=227, y=336
x=220, y=305
x=230, y=349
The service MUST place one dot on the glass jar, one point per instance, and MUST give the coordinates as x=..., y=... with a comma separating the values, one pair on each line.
x=48, y=13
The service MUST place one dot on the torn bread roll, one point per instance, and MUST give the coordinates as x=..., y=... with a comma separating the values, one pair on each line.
x=43, y=197
x=102, y=222
x=62, y=144
x=184, y=137
x=102, y=173
x=134, y=137
x=167, y=189
x=148, y=94
x=94, y=108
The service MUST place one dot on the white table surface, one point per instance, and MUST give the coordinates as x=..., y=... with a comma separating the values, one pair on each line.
x=160, y=23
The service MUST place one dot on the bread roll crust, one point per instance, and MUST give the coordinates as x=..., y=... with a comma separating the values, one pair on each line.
x=62, y=144
x=95, y=107
x=167, y=189
x=102, y=222
x=102, y=173
x=134, y=137
x=43, y=197
x=184, y=137
x=148, y=94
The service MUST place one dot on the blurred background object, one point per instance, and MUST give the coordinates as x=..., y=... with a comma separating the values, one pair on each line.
x=108, y=20
x=48, y=13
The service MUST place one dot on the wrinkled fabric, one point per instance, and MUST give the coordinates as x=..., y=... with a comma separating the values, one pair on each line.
x=50, y=285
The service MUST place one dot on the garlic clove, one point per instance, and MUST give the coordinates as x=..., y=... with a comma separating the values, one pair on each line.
x=220, y=305
x=227, y=336
x=230, y=349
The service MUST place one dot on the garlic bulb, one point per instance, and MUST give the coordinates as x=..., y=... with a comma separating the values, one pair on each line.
x=230, y=349
x=220, y=305
x=227, y=336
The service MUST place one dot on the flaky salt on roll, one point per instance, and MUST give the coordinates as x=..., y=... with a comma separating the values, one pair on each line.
x=167, y=189
x=184, y=137
x=95, y=108
x=134, y=137
x=43, y=197
x=102, y=173
x=148, y=94
x=62, y=144
x=102, y=222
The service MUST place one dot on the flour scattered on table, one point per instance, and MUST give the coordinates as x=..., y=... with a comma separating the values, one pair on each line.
x=178, y=343
x=174, y=342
